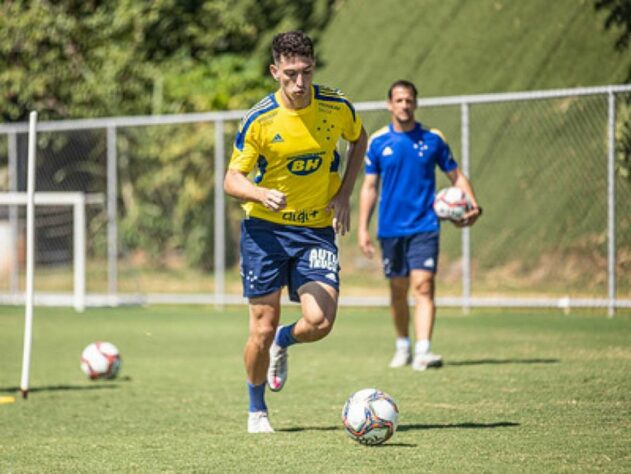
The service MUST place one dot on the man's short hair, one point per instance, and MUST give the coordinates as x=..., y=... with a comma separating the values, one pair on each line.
x=402, y=83
x=291, y=44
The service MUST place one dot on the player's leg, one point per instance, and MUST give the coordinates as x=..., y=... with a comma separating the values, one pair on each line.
x=425, y=307
x=423, y=258
x=264, y=272
x=314, y=282
x=424, y=318
x=319, y=309
x=400, y=312
x=395, y=268
x=264, y=317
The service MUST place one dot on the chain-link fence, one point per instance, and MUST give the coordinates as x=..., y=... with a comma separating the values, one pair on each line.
x=556, y=229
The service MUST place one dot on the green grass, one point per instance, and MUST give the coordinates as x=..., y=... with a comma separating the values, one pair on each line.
x=454, y=47
x=521, y=391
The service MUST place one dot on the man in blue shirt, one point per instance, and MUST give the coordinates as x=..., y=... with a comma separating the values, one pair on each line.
x=402, y=158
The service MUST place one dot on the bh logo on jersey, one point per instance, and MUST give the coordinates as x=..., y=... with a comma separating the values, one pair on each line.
x=320, y=258
x=305, y=164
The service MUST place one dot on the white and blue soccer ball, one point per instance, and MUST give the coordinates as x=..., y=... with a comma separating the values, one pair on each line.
x=451, y=203
x=100, y=360
x=370, y=416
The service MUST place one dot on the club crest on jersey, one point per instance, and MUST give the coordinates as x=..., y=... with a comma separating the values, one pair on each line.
x=305, y=164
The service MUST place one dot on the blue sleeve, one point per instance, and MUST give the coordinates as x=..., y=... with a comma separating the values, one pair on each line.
x=371, y=160
x=446, y=161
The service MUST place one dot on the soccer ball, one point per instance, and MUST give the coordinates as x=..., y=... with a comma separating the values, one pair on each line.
x=451, y=203
x=370, y=416
x=100, y=360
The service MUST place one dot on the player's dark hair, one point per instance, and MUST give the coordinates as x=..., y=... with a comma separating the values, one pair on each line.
x=402, y=83
x=291, y=44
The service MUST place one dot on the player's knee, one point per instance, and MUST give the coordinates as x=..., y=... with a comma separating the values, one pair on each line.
x=325, y=327
x=320, y=326
x=424, y=289
x=263, y=335
x=399, y=287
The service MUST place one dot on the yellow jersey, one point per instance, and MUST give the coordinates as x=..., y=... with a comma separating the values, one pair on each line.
x=294, y=152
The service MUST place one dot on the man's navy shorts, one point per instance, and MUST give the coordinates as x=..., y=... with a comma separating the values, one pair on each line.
x=412, y=252
x=277, y=255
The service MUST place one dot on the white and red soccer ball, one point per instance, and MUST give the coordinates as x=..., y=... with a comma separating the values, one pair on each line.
x=451, y=203
x=370, y=416
x=100, y=360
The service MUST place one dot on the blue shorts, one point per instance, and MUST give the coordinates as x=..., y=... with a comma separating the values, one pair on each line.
x=412, y=252
x=277, y=255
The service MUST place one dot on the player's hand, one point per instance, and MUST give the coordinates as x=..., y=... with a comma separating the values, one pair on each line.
x=469, y=218
x=273, y=200
x=365, y=243
x=341, y=208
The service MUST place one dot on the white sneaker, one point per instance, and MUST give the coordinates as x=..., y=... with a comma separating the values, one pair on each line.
x=277, y=370
x=258, y=422
x=426, y=361
x=402, y=357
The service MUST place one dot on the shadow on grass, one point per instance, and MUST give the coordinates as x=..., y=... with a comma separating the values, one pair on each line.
x=309, y=428
x=96, y=385
x=421, y=426
x=503, y=361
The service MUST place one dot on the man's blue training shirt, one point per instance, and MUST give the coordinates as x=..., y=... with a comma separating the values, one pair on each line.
x=406, y=164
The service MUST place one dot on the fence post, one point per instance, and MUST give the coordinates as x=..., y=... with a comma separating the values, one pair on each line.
x=466, y=231
x=112, y=212
x=220, y=210
x=611, y=204
x=14, y=216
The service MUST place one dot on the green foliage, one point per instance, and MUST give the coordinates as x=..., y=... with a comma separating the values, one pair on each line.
x=72, y=59
x=99, y=58
x=623, y=141
x=619, y=15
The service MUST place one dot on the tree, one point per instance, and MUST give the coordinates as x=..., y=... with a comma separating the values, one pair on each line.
x=91, y=58
x=620, y=16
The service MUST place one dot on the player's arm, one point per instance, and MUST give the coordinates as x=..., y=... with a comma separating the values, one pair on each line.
x=367, y=200
x=459, y=180
x=237, y=184
x=341, y=202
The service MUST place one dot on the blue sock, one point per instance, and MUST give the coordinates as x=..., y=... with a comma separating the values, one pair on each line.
x=284, y=337
x=257, y=397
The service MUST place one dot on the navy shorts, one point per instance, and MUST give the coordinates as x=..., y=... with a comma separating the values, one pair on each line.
x=412, y=252
x=277, y=255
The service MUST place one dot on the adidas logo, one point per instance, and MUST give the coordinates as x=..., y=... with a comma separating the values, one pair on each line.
x=277, y=139
x=387, y=151
x=331, y=276
x=429, y=263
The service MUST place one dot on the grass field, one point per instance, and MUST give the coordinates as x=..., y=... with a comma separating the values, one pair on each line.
x=520, y=391
x=451, y=47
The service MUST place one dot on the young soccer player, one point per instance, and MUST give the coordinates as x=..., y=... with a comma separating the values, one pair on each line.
x=403, y=156
x=294, y=205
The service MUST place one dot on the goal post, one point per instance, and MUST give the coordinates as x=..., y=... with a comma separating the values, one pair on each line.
x=78, y=202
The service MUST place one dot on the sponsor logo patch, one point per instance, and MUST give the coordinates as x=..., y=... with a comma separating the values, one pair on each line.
x=321, y=258
x=300, y=216
x=305, y=164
